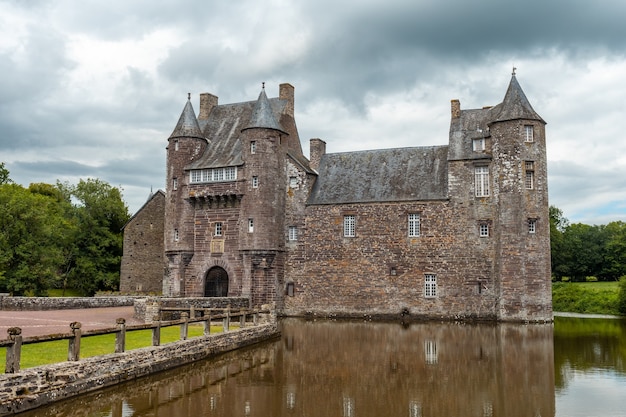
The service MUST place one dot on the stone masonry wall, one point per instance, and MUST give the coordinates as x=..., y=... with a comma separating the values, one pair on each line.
x=42, y=385
x=60, y=303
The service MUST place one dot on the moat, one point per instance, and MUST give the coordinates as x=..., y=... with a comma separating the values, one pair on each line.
x=576, y=367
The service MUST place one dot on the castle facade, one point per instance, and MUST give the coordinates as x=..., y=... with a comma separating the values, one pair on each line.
x=454, y=232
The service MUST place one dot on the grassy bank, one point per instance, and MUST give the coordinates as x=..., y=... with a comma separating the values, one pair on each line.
x=586, y=297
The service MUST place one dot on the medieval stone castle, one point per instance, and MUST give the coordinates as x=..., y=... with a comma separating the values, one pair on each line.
x=454, y=232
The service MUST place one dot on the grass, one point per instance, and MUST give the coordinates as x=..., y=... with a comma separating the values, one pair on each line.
x=586, y=297
x=58, y=292
x=45, y=353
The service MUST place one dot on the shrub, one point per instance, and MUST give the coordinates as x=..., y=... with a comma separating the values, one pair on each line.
x=621, y=297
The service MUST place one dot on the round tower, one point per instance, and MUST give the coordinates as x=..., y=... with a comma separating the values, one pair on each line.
x=185, y=144
x=521, y=226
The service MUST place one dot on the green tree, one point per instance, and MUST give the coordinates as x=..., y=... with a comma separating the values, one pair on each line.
x=98, y=213
x=582, y=251
x=621, y=299
x=558, y=225
x=31, y=227
x=4, y=175
x=615, y=251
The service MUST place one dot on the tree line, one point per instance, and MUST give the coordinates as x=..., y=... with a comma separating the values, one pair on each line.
x=580, y=251
x=60, y=236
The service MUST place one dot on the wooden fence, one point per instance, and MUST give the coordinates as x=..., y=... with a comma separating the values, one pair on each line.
x=15, y=340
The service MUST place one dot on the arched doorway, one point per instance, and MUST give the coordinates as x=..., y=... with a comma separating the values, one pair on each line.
x=216, y=282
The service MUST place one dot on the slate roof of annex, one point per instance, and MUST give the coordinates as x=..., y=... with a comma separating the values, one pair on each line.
x=384, y=175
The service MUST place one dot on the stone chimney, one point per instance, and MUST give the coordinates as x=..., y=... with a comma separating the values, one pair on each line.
x=207, y=102
x=456, y=108
x=287, y=93
x=318, y=149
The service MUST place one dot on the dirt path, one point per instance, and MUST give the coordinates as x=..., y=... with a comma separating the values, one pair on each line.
x=38, y=323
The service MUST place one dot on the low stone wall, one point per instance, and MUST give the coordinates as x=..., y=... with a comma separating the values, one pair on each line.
x=147, y=308
x=62, y=303
x=35, y=387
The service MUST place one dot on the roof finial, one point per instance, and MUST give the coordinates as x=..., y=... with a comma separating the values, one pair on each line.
x=263, y=85
x=188, y=96
x=514, y=69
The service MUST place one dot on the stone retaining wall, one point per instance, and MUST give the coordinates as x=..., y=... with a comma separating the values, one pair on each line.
x=62, y=303
x=35, y=387
x=147, y=308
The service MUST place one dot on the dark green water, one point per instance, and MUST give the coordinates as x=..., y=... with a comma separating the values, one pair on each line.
x=575, y=367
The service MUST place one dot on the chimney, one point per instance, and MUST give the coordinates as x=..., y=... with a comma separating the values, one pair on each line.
x=207, y=102
x=318, y=149
x=456, y=108
x=287, y=93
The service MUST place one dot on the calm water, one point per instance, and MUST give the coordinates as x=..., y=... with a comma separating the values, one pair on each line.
x=358, y=369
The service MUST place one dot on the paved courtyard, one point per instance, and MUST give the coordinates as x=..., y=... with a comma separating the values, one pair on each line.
x=38, y=323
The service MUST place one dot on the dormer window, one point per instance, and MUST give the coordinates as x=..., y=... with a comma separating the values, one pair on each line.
x=529, y=133
x=478, y=145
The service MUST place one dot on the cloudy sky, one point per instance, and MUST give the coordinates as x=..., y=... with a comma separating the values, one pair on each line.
x=93, y=89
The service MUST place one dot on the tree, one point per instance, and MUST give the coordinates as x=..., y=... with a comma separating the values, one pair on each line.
x=4, y=175
x=31, y=227
x=615, y=251
x=98, y=213
x=558, y=225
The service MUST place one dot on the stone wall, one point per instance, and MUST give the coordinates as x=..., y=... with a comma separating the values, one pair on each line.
x=35, y=387
x=63, y=303
x=147, y=308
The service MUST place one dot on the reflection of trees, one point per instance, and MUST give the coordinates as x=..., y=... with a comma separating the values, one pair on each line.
x=585, y=344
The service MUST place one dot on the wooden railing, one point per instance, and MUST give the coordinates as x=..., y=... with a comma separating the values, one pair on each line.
x=15, y=340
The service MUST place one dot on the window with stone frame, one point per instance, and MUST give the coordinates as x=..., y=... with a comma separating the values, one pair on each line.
x=349, y=225
x=293, y=233
x=529, y=180
x=176, y=235
x=532, y=226
x=218, y=228
x=293, y=182
x=481, y=181
x=250, y=225
x=255, y=182
x=478, y=144
x=430, y=285
x=483, y=229
x=253, y=146
x=414, y=224
x=529, y=133
x=175, y=183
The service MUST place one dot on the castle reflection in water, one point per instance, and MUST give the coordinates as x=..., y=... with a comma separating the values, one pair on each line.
x=353, y=369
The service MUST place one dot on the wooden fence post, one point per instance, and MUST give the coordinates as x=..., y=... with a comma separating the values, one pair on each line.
x=184, y=327
x=156, y=332
x=73, y=352
x=207, y=323
x=226, y=323
x=14, y=350
x=120, y=335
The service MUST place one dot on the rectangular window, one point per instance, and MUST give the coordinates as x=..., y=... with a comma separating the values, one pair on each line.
x=175, y=183
x=175, y=144
x=293, y=182
x=529, y=133
x=478, y=145
x=218, y=229
x=481, y=179
x=349, y=225
x=213, y=175
x=414, y=225
x=532, y=226
x=430, y=285
x=483, y=230
x=253, y=146
x=250, y=225
x=255, y=182
x=176, y=236
x=293, y=233
x=529, y=180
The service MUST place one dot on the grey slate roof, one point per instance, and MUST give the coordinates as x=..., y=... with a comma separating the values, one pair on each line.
x=223, y=130
x=515, y=105
x=400, y=174
x=187, y=125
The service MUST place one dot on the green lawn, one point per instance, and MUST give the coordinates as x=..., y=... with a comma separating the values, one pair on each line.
x=586, y=297
x=45, y=353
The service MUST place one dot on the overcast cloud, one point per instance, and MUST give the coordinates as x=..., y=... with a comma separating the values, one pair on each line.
x=94, y=88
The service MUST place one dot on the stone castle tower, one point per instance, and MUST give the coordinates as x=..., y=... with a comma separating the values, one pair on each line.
x=455, y=231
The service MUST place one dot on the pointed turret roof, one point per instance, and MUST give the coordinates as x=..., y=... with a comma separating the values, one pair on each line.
x=515, y=105
x=187, y=125
x=262, y=115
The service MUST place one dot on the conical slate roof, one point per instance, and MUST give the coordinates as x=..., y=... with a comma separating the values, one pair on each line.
x=187, y=125
x=515, y=105
x=263, y=116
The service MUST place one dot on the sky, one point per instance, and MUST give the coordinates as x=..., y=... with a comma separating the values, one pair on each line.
x=93, y=89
